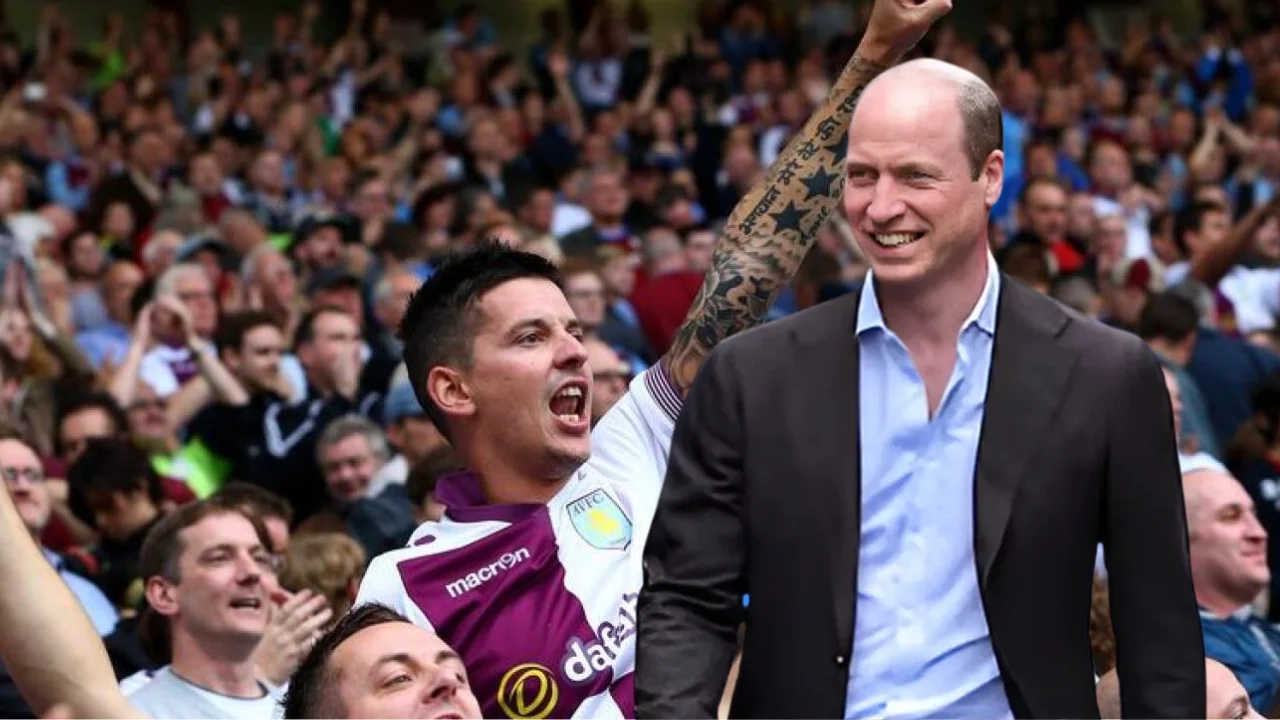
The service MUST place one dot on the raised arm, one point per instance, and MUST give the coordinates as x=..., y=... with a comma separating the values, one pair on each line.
x=46, y=640
x=771, y=228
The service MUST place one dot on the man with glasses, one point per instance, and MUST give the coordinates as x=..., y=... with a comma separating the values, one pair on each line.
x=610, y=373
x=24, y=479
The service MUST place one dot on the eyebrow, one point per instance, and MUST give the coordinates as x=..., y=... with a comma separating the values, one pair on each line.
x=897, y=168
x=392, y=659
x=229, y=547
x=571, y=323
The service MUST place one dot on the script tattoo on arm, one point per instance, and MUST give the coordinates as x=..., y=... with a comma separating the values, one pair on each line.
x=771, y=229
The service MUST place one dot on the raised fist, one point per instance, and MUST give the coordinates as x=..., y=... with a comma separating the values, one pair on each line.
x=897, y=25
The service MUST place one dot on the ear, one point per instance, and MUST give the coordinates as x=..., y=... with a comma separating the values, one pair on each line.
x=448, y=389
x=992, y=177
x=162, y=596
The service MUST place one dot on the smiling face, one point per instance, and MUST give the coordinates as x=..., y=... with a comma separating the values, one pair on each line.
x=25, y=480
x=1227, y=542
x=527, y=393
x=910, y=194
x=223, y=576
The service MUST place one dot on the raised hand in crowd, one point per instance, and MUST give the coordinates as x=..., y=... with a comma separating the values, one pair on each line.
x=297, y=621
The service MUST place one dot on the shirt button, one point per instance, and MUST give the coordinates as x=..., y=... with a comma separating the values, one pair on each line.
x=839, y=659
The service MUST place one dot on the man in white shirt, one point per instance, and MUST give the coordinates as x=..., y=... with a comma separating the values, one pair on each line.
x=209, y=576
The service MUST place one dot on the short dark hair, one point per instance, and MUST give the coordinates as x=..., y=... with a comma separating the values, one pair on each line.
x=306, y=332
x=110, y=465
x=1189, y=220
x=1037, y=181
x=233, y=327
x=982, y=121
x=161, y=556
x=257, y=501
x=1168, y=316
x=310, y=693
x=1029, y=263
x=438, y=325
x=95, y=399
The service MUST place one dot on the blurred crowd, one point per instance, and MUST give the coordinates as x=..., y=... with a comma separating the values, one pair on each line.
x=207, y=247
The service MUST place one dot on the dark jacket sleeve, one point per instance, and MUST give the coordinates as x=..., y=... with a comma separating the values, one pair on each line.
x=1159, y=647
x=691, y=605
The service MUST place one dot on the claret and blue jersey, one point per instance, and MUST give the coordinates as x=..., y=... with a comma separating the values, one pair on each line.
x=540, y=600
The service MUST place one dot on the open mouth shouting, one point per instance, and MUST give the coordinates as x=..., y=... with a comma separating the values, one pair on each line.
x=569, y=405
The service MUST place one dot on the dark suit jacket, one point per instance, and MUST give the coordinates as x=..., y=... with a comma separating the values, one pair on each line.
x=762, y=497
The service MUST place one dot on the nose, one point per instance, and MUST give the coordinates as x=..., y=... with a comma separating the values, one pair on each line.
x=886, y=206
x=250, y=573
x=443, y=686
x=570, y=352
x=1254, y=529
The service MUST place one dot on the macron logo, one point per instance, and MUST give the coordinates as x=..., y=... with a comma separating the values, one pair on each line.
x=473, y=580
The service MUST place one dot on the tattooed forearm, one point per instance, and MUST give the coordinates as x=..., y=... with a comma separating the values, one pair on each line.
x=771, y=228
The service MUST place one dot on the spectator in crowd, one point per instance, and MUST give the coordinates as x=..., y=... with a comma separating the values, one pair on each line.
x=25, y=483
x=350, y=451
x=1229, y=569
x=410, y=432
x=274, y=513
x=343, y=160
x=662, y=298
x=115, y=491
x=611, y=376
x=1168, y=323
x=434, y=679
x=422, y=481
x=109, y=342
x=1225, y=696
x=208, y=574
x=329, y=565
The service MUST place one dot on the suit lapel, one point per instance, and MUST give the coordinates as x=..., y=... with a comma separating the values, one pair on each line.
x=831, y=436
x=1029, y=370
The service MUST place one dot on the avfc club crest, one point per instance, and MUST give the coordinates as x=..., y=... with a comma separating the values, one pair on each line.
x=600, y=521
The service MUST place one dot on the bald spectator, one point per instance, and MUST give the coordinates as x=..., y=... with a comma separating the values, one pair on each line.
x=1225, y=697
x=1229, y=569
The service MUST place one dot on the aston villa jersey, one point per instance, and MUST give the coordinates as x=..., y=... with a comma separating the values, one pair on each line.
x=540, y=600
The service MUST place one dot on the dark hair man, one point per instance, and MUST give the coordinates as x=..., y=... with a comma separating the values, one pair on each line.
x=534, y=574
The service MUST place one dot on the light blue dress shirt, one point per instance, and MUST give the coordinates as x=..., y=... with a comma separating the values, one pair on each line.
x=96, y=605
x=921, y=644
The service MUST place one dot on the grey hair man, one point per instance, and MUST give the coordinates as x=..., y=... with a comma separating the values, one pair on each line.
x=351, y=450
